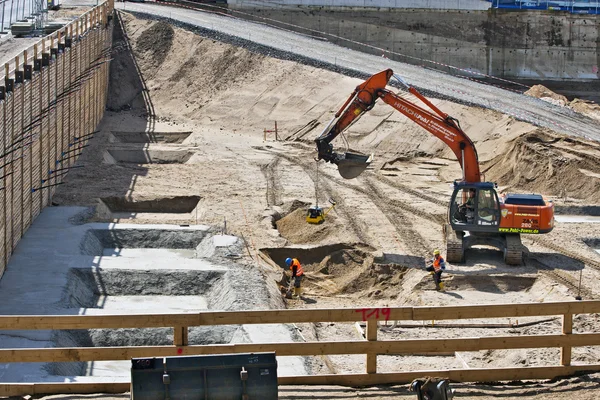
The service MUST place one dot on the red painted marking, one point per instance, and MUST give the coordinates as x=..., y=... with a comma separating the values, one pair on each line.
x=374, y=312
x=179, y=351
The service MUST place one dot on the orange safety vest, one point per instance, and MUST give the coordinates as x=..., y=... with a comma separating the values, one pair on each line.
x=299, y=270
x=437, y=263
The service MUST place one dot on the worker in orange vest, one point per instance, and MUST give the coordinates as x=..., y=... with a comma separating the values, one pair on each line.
x=437, y=266
x=297, y=275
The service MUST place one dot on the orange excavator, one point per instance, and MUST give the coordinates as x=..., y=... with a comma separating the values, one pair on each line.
x=477, y=215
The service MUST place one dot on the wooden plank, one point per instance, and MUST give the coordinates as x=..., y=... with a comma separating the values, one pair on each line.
x=180, y=336
x=383, y=347
x=567, y=329
x=505, y=310
x=23, y=389
x=195, y=319
x=371, y=337
x=457, y=375
x=297, y=316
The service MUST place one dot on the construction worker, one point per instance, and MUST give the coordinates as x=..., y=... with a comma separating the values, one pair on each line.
x=297, y=275
x=437, y=266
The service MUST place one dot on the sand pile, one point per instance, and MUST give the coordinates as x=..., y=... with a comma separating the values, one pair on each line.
x=543, y=93
x=550, y=164
x=295, y=229
x=586, y=107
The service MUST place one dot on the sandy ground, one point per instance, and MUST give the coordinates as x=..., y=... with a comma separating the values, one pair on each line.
x=216, y=101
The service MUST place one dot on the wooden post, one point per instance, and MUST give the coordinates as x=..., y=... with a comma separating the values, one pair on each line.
x=40, y=107
x=371, y=336
x=565, y=354
x=180, y=336
x=7, y=248
x=27, y=190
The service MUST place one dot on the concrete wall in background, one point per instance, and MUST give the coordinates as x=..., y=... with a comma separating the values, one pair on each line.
x=375, y=4
x=512, y=44
x=51, y=100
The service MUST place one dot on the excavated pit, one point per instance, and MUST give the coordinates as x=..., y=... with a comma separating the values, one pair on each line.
x=152, y=271
x=342, y=269
x=102, y=242
x=149, y=137
x=97, y=289
x=594, y=244
x=147, y=156
x=170, y=205
x=180, y=208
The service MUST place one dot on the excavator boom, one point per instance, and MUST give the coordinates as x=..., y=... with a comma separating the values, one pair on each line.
x=435, y=121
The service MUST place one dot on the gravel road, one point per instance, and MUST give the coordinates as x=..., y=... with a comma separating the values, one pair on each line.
x=290, y=45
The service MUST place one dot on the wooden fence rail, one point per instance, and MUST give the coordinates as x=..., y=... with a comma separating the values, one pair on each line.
x=371, y=347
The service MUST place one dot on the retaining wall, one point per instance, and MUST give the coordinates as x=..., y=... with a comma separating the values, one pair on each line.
x=512, y=44
x=52, y=98
x=436, y=4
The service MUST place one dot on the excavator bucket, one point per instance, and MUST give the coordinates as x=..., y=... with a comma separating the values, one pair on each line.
x=352, y=165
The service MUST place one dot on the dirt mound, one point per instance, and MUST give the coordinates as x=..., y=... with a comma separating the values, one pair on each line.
x=294, y=227
x=586, y=107
x=156, y=42
x=543, y=93
x=548, y=163
x=353, y=272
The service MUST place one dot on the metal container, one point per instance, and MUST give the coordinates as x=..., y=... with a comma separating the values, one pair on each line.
x=246, y=376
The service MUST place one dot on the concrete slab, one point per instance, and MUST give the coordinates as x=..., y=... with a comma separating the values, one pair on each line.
x=146, y=304
x=152, y=253
x=148, y=264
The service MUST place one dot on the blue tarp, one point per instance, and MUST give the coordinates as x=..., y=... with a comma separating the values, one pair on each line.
x=575, y=7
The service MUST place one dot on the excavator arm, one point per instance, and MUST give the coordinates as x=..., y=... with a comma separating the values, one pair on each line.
x=435, y=122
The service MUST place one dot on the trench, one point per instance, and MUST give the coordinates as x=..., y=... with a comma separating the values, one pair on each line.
x=594, y=243
x=115, y=156
x=176, y=204
x=149, y=137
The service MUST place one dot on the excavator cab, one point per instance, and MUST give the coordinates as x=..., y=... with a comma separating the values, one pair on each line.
x=475, y=207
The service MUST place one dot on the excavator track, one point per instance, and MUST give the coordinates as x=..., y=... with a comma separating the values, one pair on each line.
x=513, y=250
x=410, y=190
x=455, y=251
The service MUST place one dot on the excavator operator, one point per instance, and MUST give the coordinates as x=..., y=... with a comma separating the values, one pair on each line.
x=467, y=209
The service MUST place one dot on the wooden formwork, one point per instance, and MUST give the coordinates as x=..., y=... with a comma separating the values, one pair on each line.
x=52, y=97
